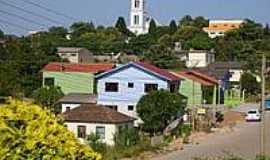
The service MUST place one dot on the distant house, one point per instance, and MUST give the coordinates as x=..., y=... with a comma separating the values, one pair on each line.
x=198, y=88
x=73, y=78
x=74, y=100
x=122, y=87
x=218, y=28
x=99, y=120
x=199, y=58
x=75, y=55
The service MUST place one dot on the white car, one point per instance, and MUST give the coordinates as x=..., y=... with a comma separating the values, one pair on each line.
x=253, y=115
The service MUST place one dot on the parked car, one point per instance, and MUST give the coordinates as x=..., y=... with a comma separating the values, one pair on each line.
x=253, y=115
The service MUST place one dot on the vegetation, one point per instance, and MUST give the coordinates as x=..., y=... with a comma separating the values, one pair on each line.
x=29, y=132
x=249, y=84
x=23, y=57
x=158, y=108
x=48, y=96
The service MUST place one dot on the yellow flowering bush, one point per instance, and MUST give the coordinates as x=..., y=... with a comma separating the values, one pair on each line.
x=29, y=132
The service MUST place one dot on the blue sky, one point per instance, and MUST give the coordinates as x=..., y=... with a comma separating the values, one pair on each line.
x=105, y=12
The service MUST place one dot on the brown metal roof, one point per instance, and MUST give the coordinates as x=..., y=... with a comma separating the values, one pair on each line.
x=80, y=98
x=92, y=113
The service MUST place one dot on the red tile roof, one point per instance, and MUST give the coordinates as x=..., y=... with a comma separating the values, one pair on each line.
x=198, y=77
x=92, y=113
x=73, y=67
x=161, y=72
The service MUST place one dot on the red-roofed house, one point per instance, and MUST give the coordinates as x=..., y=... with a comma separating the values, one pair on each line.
x=73, y=78
x=198, y=88
x=121, y=88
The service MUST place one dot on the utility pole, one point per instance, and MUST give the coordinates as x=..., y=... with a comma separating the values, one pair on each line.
x=263, y=135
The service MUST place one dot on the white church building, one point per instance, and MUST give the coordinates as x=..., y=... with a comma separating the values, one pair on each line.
x=139, y=21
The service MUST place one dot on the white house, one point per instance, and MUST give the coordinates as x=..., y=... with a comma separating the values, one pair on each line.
x=199, y=58
x=75, y=55
x=74, y=100
x=99, y=120
x=121, y=88
x=218, y=28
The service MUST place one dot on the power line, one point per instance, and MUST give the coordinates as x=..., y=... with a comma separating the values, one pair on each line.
x=15, y=25
x=29, y=12
x=49, y=10
x=23, y=18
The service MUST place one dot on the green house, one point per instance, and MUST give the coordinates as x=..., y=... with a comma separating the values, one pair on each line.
x=73, y=78
x=198, y=88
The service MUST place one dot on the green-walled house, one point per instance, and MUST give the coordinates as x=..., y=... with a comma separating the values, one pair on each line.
x=73, y=78
x=198, y=88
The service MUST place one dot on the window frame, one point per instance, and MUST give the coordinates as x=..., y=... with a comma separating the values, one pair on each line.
x=136, y=19
x=151, y=87
x=111, y=89
x=132, y=107
x=136, y=4
x=49, y=78
x=130, y=85
x=81, y=134
x=98, y=133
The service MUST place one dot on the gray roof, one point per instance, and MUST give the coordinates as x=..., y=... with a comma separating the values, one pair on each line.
x=69, y=49
x=79, y=98
x=228, y=65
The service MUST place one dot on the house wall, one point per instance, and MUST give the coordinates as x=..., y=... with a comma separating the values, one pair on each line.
x=127, y=96
x=72, y=82
x=86, y=56
x=199, y=59
x=192, y=90
x=110, y=129
x=235, y=75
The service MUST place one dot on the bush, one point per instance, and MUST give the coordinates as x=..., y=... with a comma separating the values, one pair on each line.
x=127, y=137
x=96, y=144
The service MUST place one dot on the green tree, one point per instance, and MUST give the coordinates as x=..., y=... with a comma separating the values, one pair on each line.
x=29, y=132
x=200, y=22
x=173, y=27
x=249, y=84
x=122, y=27
x=186, y=21
x=2, y=35
x=80, y=28
x=152, y=27
x=48, y=96
x=58, y=31
x=158, y=108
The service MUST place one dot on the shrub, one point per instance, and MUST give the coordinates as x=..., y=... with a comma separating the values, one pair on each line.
x=29, y=132
x=127, y=137
x=95, y=143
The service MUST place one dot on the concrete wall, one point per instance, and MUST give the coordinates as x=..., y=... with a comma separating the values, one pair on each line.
x=199, y=59
x=72, y=82
x=235, y=75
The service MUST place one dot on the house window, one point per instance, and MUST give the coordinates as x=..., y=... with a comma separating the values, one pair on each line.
x=130, y=85
x=130, y=108
x=81, y=131
x=150, y=87
x=113, y=107
x=137, y=3
x=49, y=81
x=68, y=109
x=173, y=88
x=111, y=87
x=100, y=131
x=136, y=19
x=73, y=54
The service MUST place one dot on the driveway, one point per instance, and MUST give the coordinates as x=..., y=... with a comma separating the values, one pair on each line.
x=244, y=141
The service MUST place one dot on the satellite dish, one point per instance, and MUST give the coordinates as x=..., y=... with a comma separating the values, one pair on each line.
x=172, y=125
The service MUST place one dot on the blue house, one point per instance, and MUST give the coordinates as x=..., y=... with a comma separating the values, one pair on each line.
x=121, y=88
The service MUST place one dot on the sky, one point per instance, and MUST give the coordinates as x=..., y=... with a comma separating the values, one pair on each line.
x=106, y=12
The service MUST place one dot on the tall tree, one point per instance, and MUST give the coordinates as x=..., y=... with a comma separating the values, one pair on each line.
x=152, y=27
x=80, y=28
x=29, y=132
x=58, y=31
x=122, y=27
x=186, y=21
x=173, y=27
x=1, y=34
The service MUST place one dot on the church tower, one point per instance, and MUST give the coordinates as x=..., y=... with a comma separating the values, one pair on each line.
x=138, y=18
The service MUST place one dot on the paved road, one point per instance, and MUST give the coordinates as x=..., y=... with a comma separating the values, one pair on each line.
x=243, y=141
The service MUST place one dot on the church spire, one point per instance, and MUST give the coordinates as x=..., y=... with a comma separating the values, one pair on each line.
x=138, y=17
